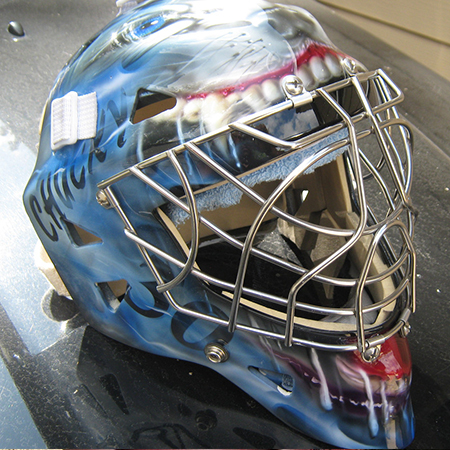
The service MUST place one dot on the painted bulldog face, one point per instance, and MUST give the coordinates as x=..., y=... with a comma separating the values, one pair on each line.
x=219, y=183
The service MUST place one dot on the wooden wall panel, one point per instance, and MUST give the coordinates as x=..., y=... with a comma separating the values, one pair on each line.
x=418, y=28
x=430, y=18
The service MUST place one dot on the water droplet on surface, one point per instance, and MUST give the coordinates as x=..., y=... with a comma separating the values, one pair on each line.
x=16, y=29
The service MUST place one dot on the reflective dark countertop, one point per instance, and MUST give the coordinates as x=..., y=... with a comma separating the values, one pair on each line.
x=64, y=385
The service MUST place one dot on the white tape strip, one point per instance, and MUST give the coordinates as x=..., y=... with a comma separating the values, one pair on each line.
x=73, y=118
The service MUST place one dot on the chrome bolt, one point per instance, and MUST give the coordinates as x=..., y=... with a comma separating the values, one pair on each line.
x=349, y=66
x=102, y=200
x=405, y=330
x=205, y=420
x=371, y=354
x=292, y=85
x=216, y=353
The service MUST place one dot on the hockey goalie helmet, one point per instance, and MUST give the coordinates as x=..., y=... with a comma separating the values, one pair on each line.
x=217, y=182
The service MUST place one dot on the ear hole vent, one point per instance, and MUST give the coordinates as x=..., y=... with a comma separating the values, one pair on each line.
x=80, y=236
x=150, y=104
x=112, y=387
x=113, y=292
x=282, y=382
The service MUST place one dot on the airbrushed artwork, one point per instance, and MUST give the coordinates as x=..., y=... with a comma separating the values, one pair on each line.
x=217, y=182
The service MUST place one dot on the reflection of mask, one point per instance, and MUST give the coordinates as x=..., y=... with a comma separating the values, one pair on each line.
x=230, y=189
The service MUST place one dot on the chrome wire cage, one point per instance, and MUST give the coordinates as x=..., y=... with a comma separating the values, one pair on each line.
x=376, y=119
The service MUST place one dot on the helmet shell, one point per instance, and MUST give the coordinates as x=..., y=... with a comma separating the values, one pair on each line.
x=211, y=63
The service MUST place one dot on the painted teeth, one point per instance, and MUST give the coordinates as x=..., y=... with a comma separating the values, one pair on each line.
x=307, y=77
x=318, y=71
x=253, y=97
x=271, y=90
x=216, y=110
x=193, y=109
x=214, y=115
x=333, y=64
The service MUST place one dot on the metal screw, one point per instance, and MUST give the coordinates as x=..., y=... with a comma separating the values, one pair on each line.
x=102, y=200
x=371, y=354
x=292, y=85
x=216, y=353
x=205, y=420
x=349, y=66
x=405, y=330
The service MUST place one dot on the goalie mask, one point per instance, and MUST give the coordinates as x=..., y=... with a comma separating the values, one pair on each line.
x=217, y=182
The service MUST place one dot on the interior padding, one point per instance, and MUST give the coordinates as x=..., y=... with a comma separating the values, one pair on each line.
x=323, y=198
